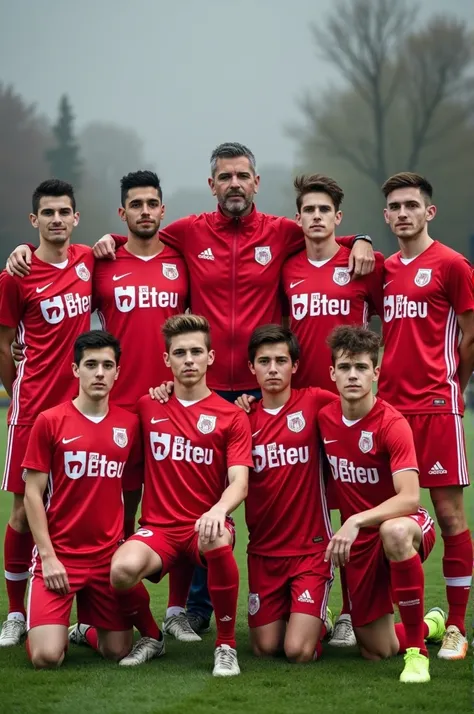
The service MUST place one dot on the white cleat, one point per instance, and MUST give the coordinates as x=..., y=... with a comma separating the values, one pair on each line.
x=343, y=634
x=225, y=662
x=77, y=634
x=13, y=631
x=178, y=626
x=454, y=644
x=146, y=648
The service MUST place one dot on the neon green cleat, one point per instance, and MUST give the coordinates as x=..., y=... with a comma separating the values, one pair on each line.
x=436, y=621
x=417, y=667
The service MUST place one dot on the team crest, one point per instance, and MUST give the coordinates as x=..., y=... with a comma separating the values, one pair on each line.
x=254, y=603
x=206, y=423
x=83, y=272
x=263, y=254
x=120, y=437
x=170, y=271
x=366, y=441
x=423, y=277
x=341, y=276
x=296, y=422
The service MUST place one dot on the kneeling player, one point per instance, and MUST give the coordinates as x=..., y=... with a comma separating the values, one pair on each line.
x=197, y=457
x=385, y=535
x=76, y=456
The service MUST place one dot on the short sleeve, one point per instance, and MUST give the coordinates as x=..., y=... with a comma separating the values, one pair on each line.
x=12, y=302
x=39, y=452
x=459, y=285
x=400, y=446
x=239, y=441
x=322, y=396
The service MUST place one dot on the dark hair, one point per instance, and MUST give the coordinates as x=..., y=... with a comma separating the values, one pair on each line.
x=232, y=150
x=53, y=187
x=317, y=183
x=139, y=179
x=272, y=335
x=354, y=340
x=96, y=340
x=407, y=179
x=182, y=325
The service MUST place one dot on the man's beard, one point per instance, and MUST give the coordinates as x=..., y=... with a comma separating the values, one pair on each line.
x=237, y=209
x=145, y=233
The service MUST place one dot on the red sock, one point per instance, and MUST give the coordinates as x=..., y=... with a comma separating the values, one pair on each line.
x=92, y=638
x=318, y=652
x=402, y=636
x=223, y=584
x=346, y=606
x=408, y=581
x=135, y=605
x=128, y=527
x=457, y=571
x=17, y=560
x=179, y=583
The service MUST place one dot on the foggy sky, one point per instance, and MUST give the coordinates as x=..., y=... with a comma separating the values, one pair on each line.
x=186, y=74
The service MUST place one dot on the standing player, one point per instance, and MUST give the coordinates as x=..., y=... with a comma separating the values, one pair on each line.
x=75, y=459
x=429, y=356
x=286, y=510
x=385, y=534
x=46, y=310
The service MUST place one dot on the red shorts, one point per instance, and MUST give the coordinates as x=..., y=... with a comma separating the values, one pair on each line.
x=440, y=449
x=96, y=601
x=13, y=475
x=368, y=572
x=174, y=544
x=279, y=586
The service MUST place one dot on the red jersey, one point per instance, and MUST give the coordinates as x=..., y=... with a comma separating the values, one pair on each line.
x=322, y=298
x=235, y=267
x=188, y=450
x=421, y=333
x=50, y=308
x=286, y=510
x=365, y=455
x=85, y=461
x=134, y=297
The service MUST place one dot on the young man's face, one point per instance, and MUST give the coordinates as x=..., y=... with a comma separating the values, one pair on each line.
x=273, y=367
x=318, y=218
x=234, y=184
x=407, y=212
x=189, y=358
x=55, y=219
x=354, y=375
x=143, y=211
x=97, y=372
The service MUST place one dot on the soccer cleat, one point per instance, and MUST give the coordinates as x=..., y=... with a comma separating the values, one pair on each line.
x=145, y=649
x=417, y=667
x=436, y=618
x=198, y=623
x=13, y=631
x=454, y=645
x=343, y=634
x=329, y=623
x=179, y=627
x=77, y=634
x=225, y=662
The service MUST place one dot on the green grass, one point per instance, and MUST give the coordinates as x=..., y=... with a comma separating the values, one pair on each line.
x=181, y=682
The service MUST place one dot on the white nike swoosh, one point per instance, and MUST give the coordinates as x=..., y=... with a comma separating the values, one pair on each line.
x=155, y=421
x=257, y=432
x=67, y=441
x=386, y=284
x=329, y=441
x=293, y=285
x=40, y=290
x=119, y=277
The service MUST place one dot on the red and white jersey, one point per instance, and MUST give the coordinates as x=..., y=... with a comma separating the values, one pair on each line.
x=286, y=510
x=322, y=298
x=420, y=330
x=85, y=461
x=188, y=450
x=365, y=455
x=50, y=308
x=134, y=297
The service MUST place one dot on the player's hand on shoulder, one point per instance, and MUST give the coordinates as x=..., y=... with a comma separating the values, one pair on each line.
x=105, y=248
x=18, y=351
x=361, y=259
x=19, y=261
x=339, y=548
x=245, y=402
x=55, y=575
x=162, y=393
x=211, y=524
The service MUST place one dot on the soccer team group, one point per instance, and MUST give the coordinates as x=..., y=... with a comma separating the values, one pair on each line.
x=235, y=366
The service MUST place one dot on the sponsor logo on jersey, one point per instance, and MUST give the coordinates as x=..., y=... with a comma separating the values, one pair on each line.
x=170, y=271
x=347, y=472
x=366, y=441
x=144, y=533
x=41, y=290
x=55, y=309
x=83, y=272
x=341, y=276
x=128, y=297
x=263, y=254
x=81, y=463
x=437, y=470
x=399, y=306
x=317, y=304
x=206, y=423
x=275, y=455
x=178, y=449
x=296, y=422
x=423, y=277
x=206, y=254
x=254, y=603
x=119, y=277
x=306, y=597
x=120, y=437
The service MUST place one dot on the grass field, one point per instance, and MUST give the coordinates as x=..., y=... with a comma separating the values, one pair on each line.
x=181, y=682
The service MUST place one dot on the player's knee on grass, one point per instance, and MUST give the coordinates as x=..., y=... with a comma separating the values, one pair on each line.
x=265, y=647
x=299, y=652
x=397, y=538
x=47, y=656
x=18, y=520
x=449, y=507
x=115, y=645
